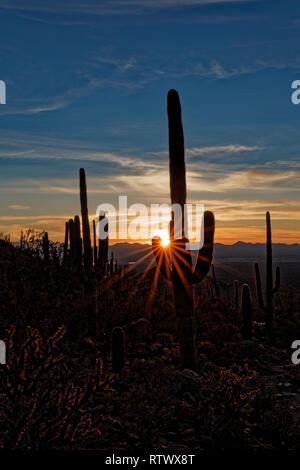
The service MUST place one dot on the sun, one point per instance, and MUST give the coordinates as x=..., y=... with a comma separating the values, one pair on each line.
x=164, y=236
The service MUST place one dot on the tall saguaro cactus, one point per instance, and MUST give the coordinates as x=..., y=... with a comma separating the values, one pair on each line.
x=270, y=289
x=178, y=267
x=87, y=253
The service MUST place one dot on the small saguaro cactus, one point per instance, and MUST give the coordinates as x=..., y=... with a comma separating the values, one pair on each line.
x=117, y=349
x=95, y=250
x=246, y=312
x=77, y=243
x=103, y=243
x=71, y=236
x=87, y=247
x=271, y=289
x=45, y=247
x=66, y=243
x=178, y=267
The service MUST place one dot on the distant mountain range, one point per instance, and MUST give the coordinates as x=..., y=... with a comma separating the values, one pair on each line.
x=132, y=252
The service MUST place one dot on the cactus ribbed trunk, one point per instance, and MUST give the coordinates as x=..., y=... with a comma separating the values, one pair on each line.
x=87, y=253
x=184, y=306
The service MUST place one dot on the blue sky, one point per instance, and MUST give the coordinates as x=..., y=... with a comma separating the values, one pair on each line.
x=86, y=87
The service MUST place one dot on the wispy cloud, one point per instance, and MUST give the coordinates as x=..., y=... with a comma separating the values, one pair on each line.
x=108, y=7
x=232, y=148
x=18, y=207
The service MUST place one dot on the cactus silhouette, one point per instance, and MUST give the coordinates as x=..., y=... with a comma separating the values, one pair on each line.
x=71, y=236
x=87, y=249
x=95, y=251
x=117, y=349
x=66, y=243
x=103, y=243
x=77, y=243
x=246, y=312
x=268, y=307
x=179, y=269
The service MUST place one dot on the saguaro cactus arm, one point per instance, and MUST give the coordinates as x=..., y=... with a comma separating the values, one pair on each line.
x=205, y=254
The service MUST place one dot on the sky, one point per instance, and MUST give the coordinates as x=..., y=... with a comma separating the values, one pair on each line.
x=86, y=86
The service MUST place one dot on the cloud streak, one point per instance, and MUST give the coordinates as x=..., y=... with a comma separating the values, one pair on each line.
x=108, y=7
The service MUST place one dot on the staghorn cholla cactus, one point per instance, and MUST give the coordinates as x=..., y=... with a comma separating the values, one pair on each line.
x=87, y=253
x=179, y=269
x=268, y=307
x=246, y=312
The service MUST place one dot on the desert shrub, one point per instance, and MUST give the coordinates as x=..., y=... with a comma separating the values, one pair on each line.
x=40, y=407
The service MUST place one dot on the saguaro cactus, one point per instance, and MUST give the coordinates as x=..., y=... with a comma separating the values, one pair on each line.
x=95, y=250
x=71, y=233
x=87, y=253
x=77, y=243
x=179, y=269
x=246, y=312
x=66, y=243
x=103, y=243
x=268, y=307
x=117, y=349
